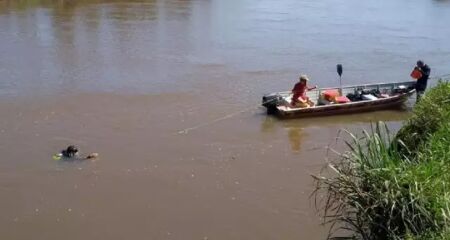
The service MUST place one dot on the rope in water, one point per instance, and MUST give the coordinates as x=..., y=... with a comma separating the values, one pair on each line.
x=186, y=130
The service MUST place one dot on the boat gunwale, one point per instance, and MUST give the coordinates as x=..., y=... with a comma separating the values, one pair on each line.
x=349, y=104
x=355, y=86
x=342, y=108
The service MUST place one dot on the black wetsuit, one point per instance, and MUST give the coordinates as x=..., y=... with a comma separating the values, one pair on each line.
x=422, y=82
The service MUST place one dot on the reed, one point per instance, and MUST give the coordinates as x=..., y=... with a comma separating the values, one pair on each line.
x=392, y=186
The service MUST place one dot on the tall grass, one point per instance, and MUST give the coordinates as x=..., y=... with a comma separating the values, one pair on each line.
x=432, y=111
x=393, y=187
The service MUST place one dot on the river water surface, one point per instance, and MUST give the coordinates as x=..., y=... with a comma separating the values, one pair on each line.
x=125, y=78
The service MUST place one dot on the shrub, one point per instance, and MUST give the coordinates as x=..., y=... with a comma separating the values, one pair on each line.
x=370, y=193
x=428, y=115
x=393, y=187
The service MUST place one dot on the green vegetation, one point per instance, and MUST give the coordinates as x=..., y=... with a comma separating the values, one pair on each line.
x=394, y=187
x=429, y=116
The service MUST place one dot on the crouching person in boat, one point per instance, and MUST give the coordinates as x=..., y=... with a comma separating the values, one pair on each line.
x=299, y=99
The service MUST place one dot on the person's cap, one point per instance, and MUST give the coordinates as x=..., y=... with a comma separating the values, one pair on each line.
x=304, y=77
x=420, y=63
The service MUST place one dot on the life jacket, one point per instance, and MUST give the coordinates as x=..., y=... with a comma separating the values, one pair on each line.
x=416, y=74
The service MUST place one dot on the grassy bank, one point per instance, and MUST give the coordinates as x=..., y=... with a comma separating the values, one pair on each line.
x=393, y=187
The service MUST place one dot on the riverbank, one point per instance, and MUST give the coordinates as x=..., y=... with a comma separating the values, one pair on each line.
x=394, y=186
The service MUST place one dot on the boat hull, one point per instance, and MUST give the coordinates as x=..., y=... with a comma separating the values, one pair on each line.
x=278, y=103
x=346, y=108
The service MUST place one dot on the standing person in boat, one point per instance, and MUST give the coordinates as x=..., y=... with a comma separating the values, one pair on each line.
x=421, y=84
x=299, y=98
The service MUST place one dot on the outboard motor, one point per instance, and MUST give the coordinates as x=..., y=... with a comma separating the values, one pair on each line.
x=271, y=101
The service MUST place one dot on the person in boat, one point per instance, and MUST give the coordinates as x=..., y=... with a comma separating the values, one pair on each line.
x=299, y=98
x=421, y=84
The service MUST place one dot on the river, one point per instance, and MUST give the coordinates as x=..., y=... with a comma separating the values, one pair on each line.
x=167, y=92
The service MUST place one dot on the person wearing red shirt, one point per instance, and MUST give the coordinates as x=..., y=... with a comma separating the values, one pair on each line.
x=299, y=91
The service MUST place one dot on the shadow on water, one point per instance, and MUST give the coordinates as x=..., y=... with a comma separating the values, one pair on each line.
x=271, y=122
x=299, y=129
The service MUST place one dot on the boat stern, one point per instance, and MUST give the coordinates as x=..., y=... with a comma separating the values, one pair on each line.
x=271, y=101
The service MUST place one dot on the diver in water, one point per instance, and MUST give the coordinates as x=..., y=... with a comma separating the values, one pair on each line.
x=72, y=153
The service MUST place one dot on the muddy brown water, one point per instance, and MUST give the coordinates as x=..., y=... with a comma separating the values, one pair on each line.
x=123, y=78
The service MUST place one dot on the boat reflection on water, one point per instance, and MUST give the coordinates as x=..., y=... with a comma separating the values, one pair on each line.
x=295, y=138
x=298, y=130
